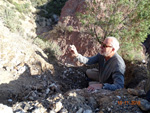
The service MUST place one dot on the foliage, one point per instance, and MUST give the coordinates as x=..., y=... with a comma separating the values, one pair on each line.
x=22, y=8
x=10, y=1
x=51, y=48
x=61, y=29
x=55, y=6
x=9, y=18
x=49, y=7
x=127, y=20
x=36, y=3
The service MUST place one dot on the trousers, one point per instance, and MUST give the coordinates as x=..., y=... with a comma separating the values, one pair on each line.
x=93, y=74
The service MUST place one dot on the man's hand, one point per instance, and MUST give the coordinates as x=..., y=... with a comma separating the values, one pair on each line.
x=94, y=87
x=73, y=50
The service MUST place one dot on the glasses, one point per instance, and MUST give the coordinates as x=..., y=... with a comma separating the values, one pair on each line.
x=104, y=45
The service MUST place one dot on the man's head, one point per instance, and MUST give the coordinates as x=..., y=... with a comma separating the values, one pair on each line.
x=109, y=46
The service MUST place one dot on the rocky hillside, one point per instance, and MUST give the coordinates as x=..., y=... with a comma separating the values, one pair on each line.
x=32, y=80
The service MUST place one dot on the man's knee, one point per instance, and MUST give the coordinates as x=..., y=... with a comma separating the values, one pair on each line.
x=88, y=72
x=92, y=74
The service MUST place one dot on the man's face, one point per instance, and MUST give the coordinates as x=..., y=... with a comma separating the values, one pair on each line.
x=106, y=47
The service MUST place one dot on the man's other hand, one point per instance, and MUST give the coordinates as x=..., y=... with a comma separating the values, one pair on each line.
x=94, y=87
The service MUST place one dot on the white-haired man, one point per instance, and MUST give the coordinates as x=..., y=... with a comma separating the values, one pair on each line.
x=110, y=74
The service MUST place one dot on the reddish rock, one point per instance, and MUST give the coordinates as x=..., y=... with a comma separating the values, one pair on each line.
x=84, y=43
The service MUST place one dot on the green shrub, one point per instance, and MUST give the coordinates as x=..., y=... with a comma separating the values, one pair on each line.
x=59, y=30
x=128, y=21
x=47, y=45
x=49, y=7
x=37, y=3
x=9, y=18
x=22, y=8
x=10, y=1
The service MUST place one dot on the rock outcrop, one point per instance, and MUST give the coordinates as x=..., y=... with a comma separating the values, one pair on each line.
x=15, y=52
x=20, y=60
x=84, y=43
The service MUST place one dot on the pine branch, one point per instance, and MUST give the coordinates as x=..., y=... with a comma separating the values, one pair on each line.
x=125, y=18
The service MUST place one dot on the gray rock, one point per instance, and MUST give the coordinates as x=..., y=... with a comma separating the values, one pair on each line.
x=34, y=94
x=47, y=90
x=80, y=110
x=92, y=102
x=144, y=105
x=64, y=110
x=87, y=111
x=31, y=98
x=56, y=18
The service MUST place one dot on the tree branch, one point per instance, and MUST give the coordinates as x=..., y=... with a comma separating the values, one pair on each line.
x=97, y=36
x=126, y=17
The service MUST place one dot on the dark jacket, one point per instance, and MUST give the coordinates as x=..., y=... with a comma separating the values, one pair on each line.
x=111, y=72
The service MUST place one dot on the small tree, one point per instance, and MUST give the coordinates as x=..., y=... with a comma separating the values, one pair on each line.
x=127, y=20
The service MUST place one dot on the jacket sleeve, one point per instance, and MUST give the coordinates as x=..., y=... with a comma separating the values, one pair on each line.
x=88, y=60
x=118, y=79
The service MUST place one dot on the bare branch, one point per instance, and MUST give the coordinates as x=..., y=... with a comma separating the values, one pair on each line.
x=96, y=36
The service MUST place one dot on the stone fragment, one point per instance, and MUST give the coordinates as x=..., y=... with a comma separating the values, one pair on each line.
x=58, y=106
x=136, y=92
x=47, y=90
x=119, y=97
x=31, y=98
x=144, y=105
x=51, y=111
x=87, y=111
x=64, y=110
x=80, y=110
x=40, y=110
x=5, y=109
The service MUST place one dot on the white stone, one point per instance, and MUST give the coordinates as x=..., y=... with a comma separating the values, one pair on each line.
x=52, y=111
x=40, y=110
x=47, y=90
x=72, y=94
x=143, y=61
x=5, y=109
x=9, y=100
x=58, y=106
x=119, y=97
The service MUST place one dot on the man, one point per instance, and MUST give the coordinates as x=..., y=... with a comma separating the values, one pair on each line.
x=110, y=74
